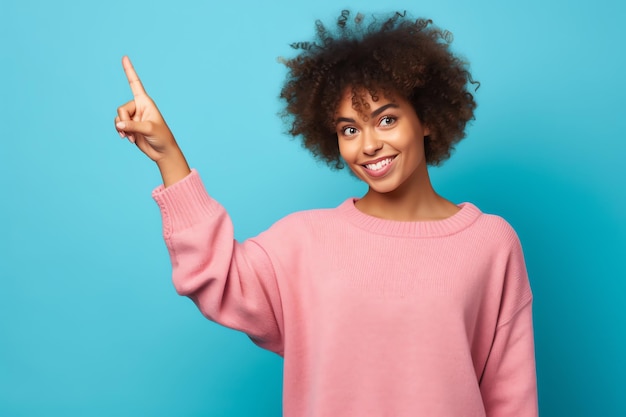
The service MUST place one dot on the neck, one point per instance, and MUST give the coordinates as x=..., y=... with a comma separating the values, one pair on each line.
x=412, y=201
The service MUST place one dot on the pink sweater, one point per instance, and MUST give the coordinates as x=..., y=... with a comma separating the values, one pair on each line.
x=373, y=317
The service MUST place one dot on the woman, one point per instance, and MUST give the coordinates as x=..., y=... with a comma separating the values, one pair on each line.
x=398, y=303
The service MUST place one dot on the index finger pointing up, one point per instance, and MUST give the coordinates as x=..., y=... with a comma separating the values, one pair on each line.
x=133, y=79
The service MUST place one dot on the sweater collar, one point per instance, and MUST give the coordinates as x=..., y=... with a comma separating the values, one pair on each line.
x=435, y=228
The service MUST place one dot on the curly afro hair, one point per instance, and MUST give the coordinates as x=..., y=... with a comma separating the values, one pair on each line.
x=390, y=56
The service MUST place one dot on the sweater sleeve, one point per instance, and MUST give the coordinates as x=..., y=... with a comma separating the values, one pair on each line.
x=232, y=283
x=508, y=384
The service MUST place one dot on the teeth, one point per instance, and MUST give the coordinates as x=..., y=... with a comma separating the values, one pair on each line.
x=379, y=165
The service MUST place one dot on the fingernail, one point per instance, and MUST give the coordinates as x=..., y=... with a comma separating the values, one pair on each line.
x=120, y=125
x=121, y=133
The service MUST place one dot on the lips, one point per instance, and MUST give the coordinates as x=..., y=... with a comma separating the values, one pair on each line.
x=380, y=166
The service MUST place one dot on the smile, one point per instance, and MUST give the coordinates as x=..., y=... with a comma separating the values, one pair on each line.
x=380, y=164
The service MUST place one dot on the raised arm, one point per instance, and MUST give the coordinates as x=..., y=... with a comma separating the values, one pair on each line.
x=141, y=122
x=233, y=284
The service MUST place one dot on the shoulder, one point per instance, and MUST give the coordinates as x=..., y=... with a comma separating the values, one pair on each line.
x=310, y=217
x=301, y=236
x=501, y=250
x=302, y=224
x=493, y=237
x=495, y=227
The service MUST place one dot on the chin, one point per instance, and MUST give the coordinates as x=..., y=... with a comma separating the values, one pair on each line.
x=382, y=190
x=381, y=187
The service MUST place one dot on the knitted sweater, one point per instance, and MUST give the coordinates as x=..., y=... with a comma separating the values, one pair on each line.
x=373, y=317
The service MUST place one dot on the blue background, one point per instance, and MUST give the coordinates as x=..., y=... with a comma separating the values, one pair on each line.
x=90, y=324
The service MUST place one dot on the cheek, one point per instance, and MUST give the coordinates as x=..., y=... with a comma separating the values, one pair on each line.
x=419, y=149
x=418, y=141
x=345, y=150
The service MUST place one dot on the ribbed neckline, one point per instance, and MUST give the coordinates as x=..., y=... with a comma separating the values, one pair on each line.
x=435, y=228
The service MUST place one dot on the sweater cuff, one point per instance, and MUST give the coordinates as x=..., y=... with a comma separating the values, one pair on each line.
x=184, y=203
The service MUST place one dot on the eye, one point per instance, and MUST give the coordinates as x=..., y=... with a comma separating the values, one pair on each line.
x=387, y=121
x=349, y=131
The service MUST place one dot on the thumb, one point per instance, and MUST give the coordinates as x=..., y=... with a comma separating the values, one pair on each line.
x=131, y=126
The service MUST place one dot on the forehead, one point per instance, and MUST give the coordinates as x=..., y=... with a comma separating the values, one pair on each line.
x=363, y=100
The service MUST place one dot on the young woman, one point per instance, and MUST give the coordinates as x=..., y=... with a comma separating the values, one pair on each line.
x=398, y=303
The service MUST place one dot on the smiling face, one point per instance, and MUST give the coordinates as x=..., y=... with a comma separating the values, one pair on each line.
x=383, y=144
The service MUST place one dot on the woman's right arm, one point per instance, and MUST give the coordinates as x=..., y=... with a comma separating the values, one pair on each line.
x=232, y=283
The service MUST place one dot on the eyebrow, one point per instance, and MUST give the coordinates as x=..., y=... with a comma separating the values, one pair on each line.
x=373, y=114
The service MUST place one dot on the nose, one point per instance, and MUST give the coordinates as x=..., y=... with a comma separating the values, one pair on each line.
x=371, y=143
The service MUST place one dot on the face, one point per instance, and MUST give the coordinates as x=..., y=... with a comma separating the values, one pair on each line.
x=385, y=149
